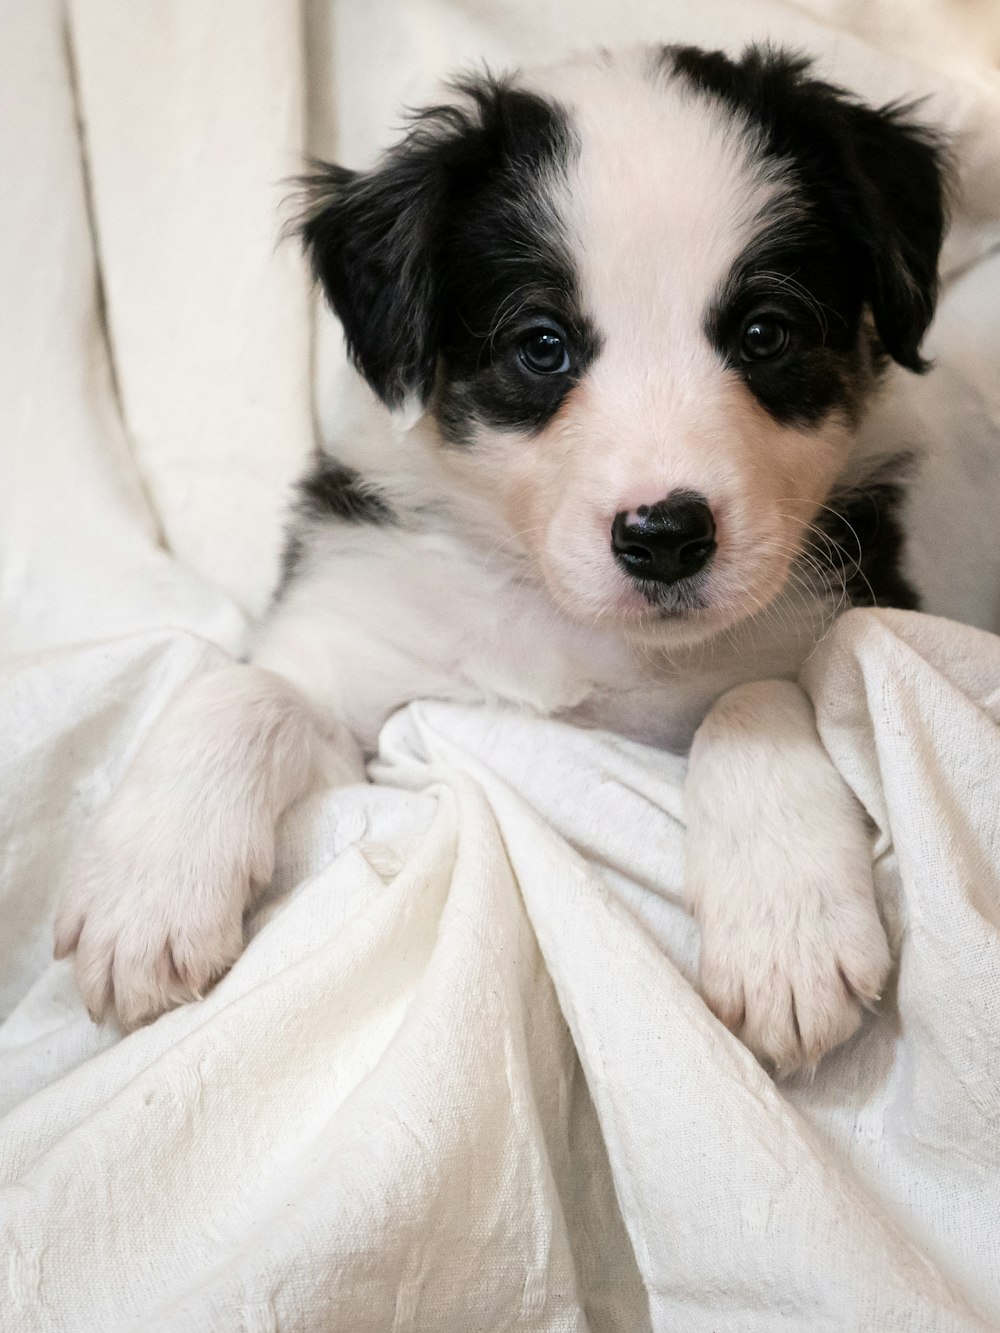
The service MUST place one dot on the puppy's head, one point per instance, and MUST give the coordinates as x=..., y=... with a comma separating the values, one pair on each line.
x=643, y=299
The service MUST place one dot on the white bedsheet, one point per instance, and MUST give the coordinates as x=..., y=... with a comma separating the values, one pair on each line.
x=461, y=1079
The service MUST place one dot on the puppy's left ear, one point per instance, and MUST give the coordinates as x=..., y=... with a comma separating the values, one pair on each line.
x=894, y=200
x=878, y=175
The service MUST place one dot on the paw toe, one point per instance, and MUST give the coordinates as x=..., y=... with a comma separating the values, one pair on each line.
x=771, y=1030
x=94, y=960
x=827, y=1016
x=723, y=993
x=67, y=934
x=865, y=979
x=143, y=988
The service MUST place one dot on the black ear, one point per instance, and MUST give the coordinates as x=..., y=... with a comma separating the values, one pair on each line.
x=878, y=174
x=377, y=239
x=895, y=200
x=372, y=239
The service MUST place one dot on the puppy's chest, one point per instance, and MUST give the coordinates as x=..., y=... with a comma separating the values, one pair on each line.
x=528, y=656
x=406, y=616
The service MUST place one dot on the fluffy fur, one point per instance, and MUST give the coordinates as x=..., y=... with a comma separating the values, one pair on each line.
x=632, y=299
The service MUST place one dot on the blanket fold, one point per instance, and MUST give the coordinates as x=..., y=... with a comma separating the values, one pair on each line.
x=462, y=1064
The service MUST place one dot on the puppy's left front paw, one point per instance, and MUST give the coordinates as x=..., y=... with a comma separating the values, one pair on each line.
x=789, y=966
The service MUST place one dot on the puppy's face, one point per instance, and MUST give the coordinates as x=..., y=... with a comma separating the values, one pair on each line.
x=644, y=299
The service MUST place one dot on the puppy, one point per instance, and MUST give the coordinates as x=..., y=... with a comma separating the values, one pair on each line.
x=629, y=313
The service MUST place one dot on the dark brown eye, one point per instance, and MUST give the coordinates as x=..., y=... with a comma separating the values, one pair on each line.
x=544, y=352
x=763, y=339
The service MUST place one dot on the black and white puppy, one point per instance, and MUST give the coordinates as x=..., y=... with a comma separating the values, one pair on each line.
x=632, y=310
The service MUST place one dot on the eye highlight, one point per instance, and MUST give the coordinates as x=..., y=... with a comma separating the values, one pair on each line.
x=543, y=351
x=764, y=338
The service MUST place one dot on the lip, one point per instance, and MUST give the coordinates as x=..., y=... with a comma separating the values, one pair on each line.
x=641, y=600
x=676, y=600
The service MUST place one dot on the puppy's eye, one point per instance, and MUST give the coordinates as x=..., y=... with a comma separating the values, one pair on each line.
x=763, y=339
x=544, y=352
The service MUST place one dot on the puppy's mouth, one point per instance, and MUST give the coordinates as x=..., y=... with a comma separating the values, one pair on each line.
x=675, y=601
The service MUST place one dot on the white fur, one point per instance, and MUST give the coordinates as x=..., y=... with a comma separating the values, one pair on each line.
x=779, y=877
x=154, y=908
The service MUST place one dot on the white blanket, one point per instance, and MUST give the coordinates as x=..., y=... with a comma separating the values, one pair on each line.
x=461, y=1079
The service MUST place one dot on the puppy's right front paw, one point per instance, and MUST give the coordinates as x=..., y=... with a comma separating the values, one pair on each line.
x=138, y=957
x=154, y=906
x=154, y=909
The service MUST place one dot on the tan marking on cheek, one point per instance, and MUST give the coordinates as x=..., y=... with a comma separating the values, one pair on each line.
x=546, y=467
x=521, y=509
x=524, y=485
x=809, y=463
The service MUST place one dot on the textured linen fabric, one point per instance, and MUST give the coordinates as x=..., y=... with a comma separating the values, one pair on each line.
x=461, y=1079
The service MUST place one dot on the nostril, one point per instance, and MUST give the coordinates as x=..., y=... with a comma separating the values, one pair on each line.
x=667, y=541
x=627, y=544
x=696, y=550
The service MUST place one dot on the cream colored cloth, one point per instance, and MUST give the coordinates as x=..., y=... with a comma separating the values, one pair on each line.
x=461, y=1079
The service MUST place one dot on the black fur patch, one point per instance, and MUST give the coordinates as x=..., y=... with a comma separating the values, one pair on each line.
x=871, y=178
x=803, y=276
x=440, y=260
x=506, y=267
x=331, y=491
x=861, y=546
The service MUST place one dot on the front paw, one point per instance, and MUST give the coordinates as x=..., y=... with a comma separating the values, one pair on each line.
x=154, y=908
x=788, y=967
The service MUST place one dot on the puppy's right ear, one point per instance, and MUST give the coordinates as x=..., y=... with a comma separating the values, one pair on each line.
x=377, y=239
x=370, y=238
x=374, y=240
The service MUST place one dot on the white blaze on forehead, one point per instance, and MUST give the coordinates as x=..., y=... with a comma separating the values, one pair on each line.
x=665, y=192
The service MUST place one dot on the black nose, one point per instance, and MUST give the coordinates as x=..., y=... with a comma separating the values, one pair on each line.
x=667, y=541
